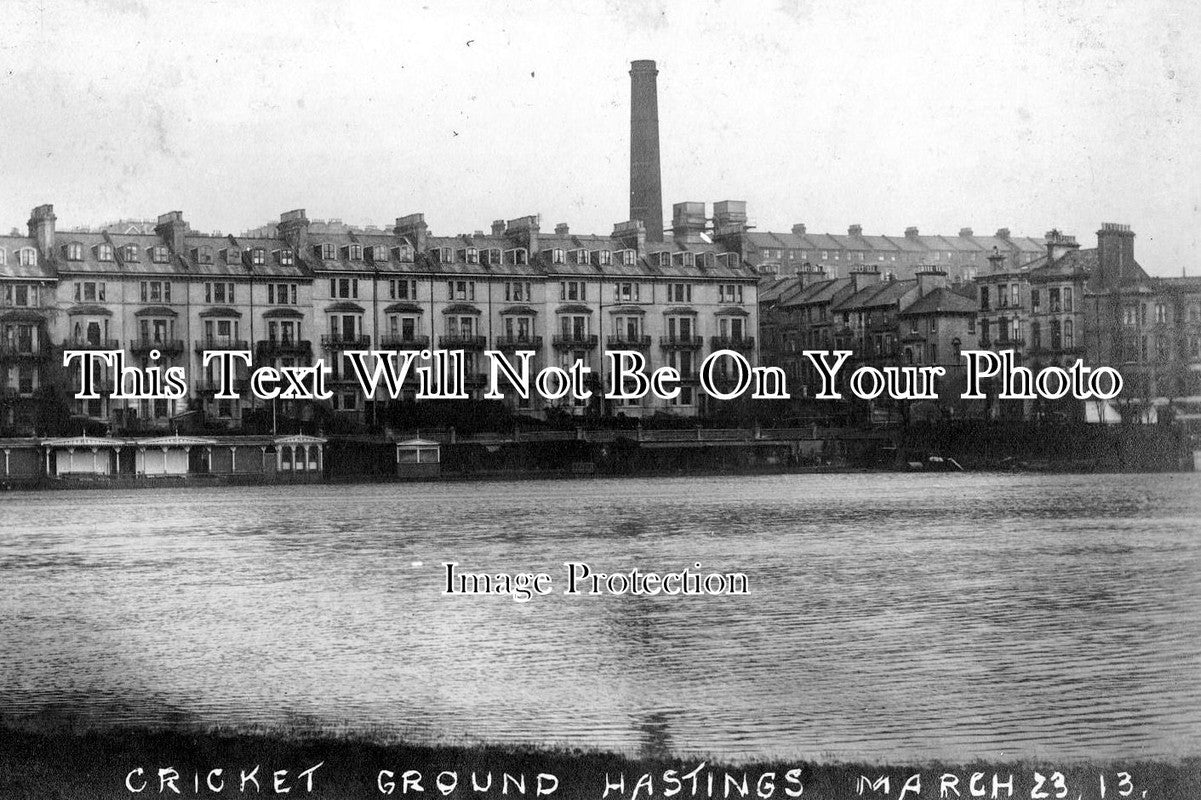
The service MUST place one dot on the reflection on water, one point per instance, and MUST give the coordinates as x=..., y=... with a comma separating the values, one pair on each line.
x=891, y=616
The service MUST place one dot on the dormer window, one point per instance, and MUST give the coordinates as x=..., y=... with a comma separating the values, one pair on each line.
x=473, y=255
x=494, y=256
x=379, y=254
x=75, y=251
x=328, y=252
x=233, y=255
x=629, y=257
x=104, y=252
x=258, y=256
x=665, y=259
x=557, y=256
x=285, y=257
x=129, y=253
x=158, y=254
x=404, y=252
x=581, y=257
x=355, y=252
x=604, y=257
x=204, y=254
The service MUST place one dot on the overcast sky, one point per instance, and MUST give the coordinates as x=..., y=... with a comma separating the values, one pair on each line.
x=1028, y=115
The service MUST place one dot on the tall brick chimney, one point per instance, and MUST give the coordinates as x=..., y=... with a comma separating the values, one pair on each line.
x=294, y=229
x=1060, y=244
x=929, y=279
x=41, y=228
x=865, y=276
x=646, y=189
x=688, y=221
x=1115, y=253
x=412, y=227
x=172, y=228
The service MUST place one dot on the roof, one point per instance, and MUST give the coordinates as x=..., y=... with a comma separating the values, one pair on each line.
x=884, y=293
x=12, y=266
x=827, y=291
x=942, y=300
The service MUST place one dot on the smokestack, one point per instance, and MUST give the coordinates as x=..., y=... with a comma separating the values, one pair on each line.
x=646, y=190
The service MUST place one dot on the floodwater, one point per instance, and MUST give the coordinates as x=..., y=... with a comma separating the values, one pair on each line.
x=893, y=617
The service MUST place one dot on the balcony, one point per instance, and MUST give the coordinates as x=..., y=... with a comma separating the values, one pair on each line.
x=283, y=348
x=462, y=341
x=220, y=343
x=627, y=342
x=168, y=347
x=336, y=341
x=508, y=343
x=573, y=341
x=85, y=344
x=13, y=351
x=681, y=342
x=732, y=342
x=207, y=386
x=396, y=341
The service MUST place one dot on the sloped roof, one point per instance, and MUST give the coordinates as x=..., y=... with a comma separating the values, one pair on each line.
x=943, y=300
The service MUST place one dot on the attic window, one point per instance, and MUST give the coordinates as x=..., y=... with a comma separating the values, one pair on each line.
x=404, y=252
x=328, y=252
x=204, y=255
x=355, y=252
x=665, y=259
x=379, y=254
x=27, y=257
x=104, y=252
x=258, y=256
x=557, y=256
x=629, y=257
x=158, y=254
x=233, y=255
x=75, y=251
x=129, y=253
x=285, y=257
x=494, y=256
x=473, y=255
x=604, y=257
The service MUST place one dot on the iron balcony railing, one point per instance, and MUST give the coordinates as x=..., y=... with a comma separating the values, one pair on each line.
x=569, y=341
x=732, y=342
x=396, y=341
x=220, y=343
x=681, y=342
x=337, y=341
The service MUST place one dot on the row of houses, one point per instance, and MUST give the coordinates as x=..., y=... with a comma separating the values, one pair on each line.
x=1096, y=304
x=962, y=256
x=300, y=290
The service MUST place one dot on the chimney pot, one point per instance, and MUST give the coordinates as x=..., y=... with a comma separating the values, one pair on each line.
x=855, y=230
x=965, y=231
x=799, y=229
x=911, y=232
x=562, y=229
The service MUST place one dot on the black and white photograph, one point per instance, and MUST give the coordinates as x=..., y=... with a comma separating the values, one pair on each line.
x=600, y=399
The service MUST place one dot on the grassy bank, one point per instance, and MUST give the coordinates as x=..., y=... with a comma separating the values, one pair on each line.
x=95, y=765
